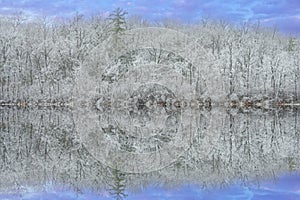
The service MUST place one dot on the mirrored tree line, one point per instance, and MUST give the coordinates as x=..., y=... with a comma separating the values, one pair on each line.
x=38, y=148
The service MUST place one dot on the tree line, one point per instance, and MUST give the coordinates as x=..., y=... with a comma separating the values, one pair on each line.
x=39, y=60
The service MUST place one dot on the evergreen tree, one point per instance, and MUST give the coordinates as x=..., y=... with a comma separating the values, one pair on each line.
x=291, y=44
x=118, y=23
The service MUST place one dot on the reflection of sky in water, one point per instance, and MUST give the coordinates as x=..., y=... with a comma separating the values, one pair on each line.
x=285, y=187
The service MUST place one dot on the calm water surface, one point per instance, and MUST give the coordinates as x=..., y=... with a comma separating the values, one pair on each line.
x=149, y=154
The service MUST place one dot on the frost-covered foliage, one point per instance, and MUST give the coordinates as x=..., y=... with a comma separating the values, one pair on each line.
x=139, y=57
x=253, y=62
x=39, y=60
x=42, y=60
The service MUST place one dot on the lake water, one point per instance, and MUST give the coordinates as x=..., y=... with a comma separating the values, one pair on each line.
x=147, y=153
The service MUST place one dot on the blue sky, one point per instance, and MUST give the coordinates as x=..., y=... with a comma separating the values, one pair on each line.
x=286, y=187
x=284, y=14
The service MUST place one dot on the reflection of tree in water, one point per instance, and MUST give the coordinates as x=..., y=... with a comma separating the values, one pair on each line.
x=152, y=141
x=123, y=139
x=39, y=147
x=117, y=188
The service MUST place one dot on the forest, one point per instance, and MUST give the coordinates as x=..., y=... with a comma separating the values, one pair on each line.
x=47, y=62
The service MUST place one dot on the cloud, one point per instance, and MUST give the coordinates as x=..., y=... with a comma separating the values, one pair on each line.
x=288, y=25
x=188, y=5
x=278, y=8
x=280, y=13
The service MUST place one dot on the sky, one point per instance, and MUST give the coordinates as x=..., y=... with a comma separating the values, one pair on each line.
x=286, y=187
x=283, y=14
